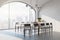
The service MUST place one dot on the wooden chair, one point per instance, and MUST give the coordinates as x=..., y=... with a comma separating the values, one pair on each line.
x=17, y=26
x=27, y=27
x=36, y=27
x=51, y=26
x=42, y=27
x=47, y=27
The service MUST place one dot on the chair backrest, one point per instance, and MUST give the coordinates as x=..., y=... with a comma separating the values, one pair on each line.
x=27, y=25
x=17, y=24
x=47, y=23
x=42, y=24
x=35, y=24
x=51, y=25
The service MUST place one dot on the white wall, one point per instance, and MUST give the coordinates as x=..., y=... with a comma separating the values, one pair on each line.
x=51, y=13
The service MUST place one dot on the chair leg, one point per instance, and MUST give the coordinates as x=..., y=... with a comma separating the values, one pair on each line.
x=24, y=32
x=45, y=30
x=38, y=31
x=51, y=30
x=30, y=32
x=15, y=29
x=18, y=29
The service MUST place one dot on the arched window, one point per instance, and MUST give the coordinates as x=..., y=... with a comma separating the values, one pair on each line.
x=15, y=11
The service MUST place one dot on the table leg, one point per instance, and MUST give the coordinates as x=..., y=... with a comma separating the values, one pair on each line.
x=38, y=30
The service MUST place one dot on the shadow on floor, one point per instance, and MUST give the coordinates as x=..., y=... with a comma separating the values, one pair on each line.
x=41, y=36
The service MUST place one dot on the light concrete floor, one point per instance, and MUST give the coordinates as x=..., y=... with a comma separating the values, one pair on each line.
x=12, y=35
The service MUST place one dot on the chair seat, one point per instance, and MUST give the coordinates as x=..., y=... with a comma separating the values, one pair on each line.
x=27, y=28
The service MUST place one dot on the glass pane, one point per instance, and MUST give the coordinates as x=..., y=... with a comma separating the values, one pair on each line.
x=31, y=15
x=4, y=17
x=20, y=13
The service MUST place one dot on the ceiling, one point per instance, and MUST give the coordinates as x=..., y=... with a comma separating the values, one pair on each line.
x=33, y=3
